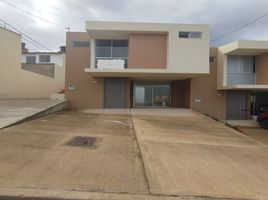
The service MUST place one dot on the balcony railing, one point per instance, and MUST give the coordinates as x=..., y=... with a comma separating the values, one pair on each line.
x=111, y=63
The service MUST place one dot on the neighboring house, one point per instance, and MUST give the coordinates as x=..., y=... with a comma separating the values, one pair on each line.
x=31, y=74
x=237, y=86
x=122, y=65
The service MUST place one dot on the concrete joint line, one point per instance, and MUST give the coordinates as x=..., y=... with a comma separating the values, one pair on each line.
x=139, y=143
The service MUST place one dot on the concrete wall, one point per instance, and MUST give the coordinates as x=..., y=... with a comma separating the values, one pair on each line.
x=184, y=55
x=147, y=51
x=18, y=83
x=262, y=69
x=34, y=85
x=42, y=69
x=88, y=92
x=204, y=88
x=181, y=94
x=188, y=55
x=10, y=54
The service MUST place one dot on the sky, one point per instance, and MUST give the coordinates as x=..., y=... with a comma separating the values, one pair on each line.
x=223, y=16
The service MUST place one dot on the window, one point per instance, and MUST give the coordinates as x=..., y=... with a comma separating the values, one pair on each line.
x=120, y=48
x=241, y=70
x=111, y=48
x=81, y=43
x=212, y=59
x=30, y=59
x=103, y=48
x=188, y=34
x=196, y=34
x=44, y=58
x=184, y=34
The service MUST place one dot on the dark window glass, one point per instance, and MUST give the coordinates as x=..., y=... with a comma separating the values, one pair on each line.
x=212, y=59
x=103, y=48
x=81, y=43
x=184, y=34
x=30, y=59
x=44, y=58
x=193, y=34
x=196, y=34
x=120, y=48
x=112, y=48
x=120, y=43
x=103, y=43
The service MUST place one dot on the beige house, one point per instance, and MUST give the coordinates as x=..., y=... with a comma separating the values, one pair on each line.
x=22, y=79
x=119, y=65
x=148, y=65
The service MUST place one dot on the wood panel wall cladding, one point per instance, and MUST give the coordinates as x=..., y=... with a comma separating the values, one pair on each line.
x=147, y=51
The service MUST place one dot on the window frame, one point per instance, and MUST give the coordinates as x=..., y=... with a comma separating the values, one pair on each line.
x=240, y=66
x=30, y=56
x=41, y=61
x=81, y=44
x=212, y=59
x=190, y=34
x=111, y=47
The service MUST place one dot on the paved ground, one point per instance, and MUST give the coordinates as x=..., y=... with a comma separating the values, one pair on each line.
x=258, y=134
x=34, y=154
x=14, y=110
x=192, y=155
x=182, y=154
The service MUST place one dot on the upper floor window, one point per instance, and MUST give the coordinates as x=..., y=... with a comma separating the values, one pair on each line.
x=44, y=58
x=81, y=43
x=30, y=59
x=111, y=48
x=241, y=70
x=190, y=34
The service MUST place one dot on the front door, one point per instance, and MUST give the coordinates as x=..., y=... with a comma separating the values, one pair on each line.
x=237, y=105
x=115, y=93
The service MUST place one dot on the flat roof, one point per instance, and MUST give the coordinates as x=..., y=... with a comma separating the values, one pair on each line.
x=245, y=47
x=96, y=28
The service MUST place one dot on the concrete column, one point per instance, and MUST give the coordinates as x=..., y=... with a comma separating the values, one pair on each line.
x=92, y=53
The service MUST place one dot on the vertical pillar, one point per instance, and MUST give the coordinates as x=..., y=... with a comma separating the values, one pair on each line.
x=92, y=53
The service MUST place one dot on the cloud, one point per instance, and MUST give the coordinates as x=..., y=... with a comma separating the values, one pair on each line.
x=223, y=16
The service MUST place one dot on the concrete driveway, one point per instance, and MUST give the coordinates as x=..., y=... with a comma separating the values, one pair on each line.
x=256, y=133
x=186, y=153
x=35, y=155
x=139, y=154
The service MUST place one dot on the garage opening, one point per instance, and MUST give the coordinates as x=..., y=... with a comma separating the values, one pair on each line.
x=238, y=107
x=115, y=92
x=258, y=102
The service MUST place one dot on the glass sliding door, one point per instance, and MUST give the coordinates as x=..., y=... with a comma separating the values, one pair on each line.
x=151, y=94
x=161, y=95
x=143, y=95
